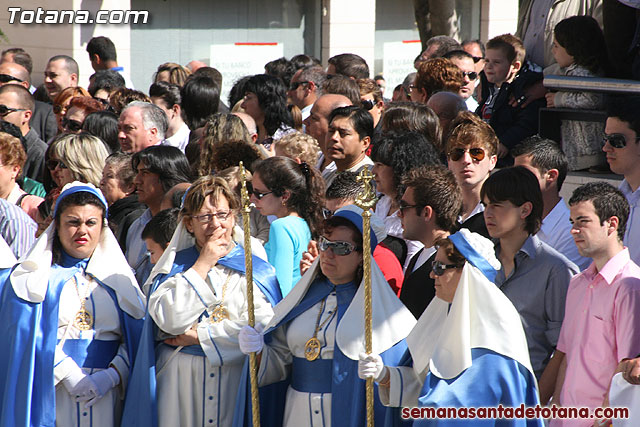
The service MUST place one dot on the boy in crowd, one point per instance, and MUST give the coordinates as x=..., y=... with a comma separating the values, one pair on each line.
x=158, y=232
x=534, y=276
x=506, y=77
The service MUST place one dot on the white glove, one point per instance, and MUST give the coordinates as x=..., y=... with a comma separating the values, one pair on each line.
x=71, y=381
x=250, y=340
x=371, y=366
x=93, y=387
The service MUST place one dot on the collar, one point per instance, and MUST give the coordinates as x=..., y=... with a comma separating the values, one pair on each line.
x=632, y=196
x=613, y=267
x=529, y=247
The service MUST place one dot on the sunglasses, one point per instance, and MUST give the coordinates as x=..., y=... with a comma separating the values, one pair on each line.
x=295, y=85
x=404, y=206
x=53, y=164
x=338, y=248
x=71, y=125
x=439, y=268
x=616, y=140
x=258, y=195
x=476, y=154
x=207, y=218
x=6, y=78
x=367, y=104
x=4, y=110
x=327, y=213
x=471, y=74
x=476, y=59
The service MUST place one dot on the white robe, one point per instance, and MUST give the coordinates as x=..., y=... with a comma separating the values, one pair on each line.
x=106, y=326
x=192, y=390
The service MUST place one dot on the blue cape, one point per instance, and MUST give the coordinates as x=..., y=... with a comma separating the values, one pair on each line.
x=348, y=402
x=29, y=330
x=141, y=407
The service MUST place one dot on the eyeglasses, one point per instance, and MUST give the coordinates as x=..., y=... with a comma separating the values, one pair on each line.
x=338, y=247
x=476, y=154
x=4, y=110
x=616, y=140
x=477, y=59
x=471, y=74
x=367, y=104
x=439, y=268
x=294, y=85
x=53, y=164
x=258, y=195
x=327, y=213
x=404, y=206
x=6, y=78
x=412, y=87
x=206, y=218
x=71, y=125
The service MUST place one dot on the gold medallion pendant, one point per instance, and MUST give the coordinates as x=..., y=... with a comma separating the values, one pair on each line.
x=312, y=349
x=83, y=320
x=219, y=314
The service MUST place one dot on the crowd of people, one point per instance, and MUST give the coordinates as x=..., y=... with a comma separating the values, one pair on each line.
x=123, y=283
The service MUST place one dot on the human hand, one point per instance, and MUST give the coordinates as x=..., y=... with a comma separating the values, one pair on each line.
x=71, y=381
x=371, y=366
x=214, y=247
x=188, y=338
x=531, y=93
x=630, y=369
x=550, y=96
x=250, y=340
x=309, y=256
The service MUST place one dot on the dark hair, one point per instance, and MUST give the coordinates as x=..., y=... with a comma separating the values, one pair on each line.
x=169, y=163
x=103, y=47
x=607, y=201
x=436, y=186
x=80, y=198
x=345, y=186
x=161, y=227
x=350, y=65
x=413, y=117
x=342, y=85
x=360, y=119
x=450, y=250
x=24, y=59
x=104, y=125
x=329, y=224
x=304, y=183
x=70, y=64
x=457, y=54
x=14, y=131
x=474, y=41
x=444, y=44
x=200, y=99
x=272, y=98
x=517, y=185
x=545, y=155
x=107, y=80
x=510, y=45
x=582, y=38
x=403, y=152
x=626, y=109
x=301, y=61
x=210, y=72
x=281, y=68
x=238, y=91
x=168, y=92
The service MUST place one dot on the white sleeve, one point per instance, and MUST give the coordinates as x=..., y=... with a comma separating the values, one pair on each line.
x=404, y=387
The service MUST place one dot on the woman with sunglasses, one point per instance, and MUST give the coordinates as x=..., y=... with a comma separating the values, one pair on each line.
x=62, y=100
x=468, y=348
x=78, y=157
x=393, y=156
x=79, y=108
x=317, y=332
x=71, y=312
x=198, y=301
x=294, y=193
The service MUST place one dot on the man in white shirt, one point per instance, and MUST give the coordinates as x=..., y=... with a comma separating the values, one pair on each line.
x=548, y=163
x=305, y=88
x=167, y=96
x=141, y=125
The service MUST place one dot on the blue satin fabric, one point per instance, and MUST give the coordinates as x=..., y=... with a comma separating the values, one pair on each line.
x=473, y=256
x=96, y=354
x=141, y=407
x=491, y=380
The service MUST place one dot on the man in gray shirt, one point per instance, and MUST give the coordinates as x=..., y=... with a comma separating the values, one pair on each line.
x=534, y=276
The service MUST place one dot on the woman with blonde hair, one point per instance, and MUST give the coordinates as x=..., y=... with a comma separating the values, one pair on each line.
x=219, y=129
x=299, y=147
x=172, y=73
x=77, y=157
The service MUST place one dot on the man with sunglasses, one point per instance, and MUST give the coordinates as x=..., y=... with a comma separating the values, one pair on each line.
x=464, y=61
x=371, y=99
x=428, y=210
x=16, y=107
x=305, y=88
x=622, y=147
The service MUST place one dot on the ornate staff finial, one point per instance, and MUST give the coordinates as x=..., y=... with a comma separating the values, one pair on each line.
x=367, y=198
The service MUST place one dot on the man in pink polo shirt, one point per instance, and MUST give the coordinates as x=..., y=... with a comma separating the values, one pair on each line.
x=602, y=313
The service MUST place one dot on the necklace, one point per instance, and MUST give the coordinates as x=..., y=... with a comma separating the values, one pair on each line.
x=83, y=319
x=312, y=346
x=219, y=313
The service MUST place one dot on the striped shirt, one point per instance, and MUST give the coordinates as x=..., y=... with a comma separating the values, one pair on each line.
x=17, y=228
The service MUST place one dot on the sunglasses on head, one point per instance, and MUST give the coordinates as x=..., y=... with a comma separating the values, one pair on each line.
x=4, y=110
x=6, y=78
x=52, y=164
x=295, y=85
x=476, y=154
x=338, y=247
x=471, y=74
x=616, y=140
x=476, y=59
x=439, y=268
x=367, y=104
x=71, y=125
